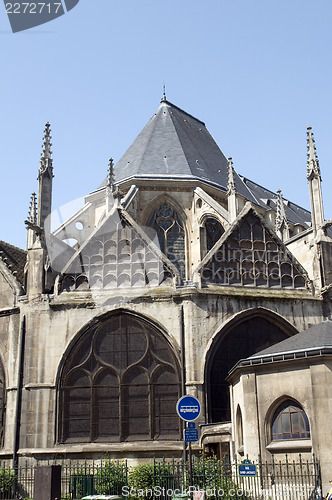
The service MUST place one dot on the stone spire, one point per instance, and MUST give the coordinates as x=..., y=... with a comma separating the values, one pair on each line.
x=313, y=169
x=31, y=221
x=45, y=177
x=32, y=216
x=282, y=228
x=314, y=179
x=231, y=183
x=110, y=186
x=231, y=192
x=110, y=174
x=46, y=156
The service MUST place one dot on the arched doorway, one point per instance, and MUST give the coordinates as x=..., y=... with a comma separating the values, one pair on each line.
x=238, y=341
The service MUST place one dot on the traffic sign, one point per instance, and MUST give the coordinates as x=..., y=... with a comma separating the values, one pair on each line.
x=188, y=408
x=247, y=469
x=190, y=435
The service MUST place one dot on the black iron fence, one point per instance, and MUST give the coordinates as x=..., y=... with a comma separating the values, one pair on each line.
x=210, y=479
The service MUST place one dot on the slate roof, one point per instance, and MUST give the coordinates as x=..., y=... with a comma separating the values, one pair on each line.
x=315, y=337
x=14, y=258
x=268, y=200
x=313, y=342
x=175, y=145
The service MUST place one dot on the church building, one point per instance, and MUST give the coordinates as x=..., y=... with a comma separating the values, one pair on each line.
x=177, y=276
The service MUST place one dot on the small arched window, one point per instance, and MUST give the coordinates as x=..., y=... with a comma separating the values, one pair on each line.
x=211, y=232
x=290, y=422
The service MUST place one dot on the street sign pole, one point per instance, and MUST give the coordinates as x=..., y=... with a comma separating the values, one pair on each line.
x=188, y=409
x=190, y=468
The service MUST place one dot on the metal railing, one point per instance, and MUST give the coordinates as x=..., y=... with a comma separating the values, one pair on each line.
x=166, y=479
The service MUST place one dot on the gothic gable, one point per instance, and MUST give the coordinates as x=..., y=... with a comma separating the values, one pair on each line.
x=249, y=254
x=117, y=255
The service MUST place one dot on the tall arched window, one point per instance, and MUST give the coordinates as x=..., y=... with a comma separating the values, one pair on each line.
x=169, y=228
x=120, y=382
x=243, y=340
x=239, y=430
x=290, y=422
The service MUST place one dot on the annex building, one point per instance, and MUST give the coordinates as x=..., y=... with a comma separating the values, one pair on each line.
x=177, y=276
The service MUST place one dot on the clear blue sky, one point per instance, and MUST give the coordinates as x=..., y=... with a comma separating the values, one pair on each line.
x=256, y=72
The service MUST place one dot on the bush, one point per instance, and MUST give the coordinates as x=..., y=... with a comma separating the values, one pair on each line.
x=7, y=479
x=141, y=477
x=111, y=477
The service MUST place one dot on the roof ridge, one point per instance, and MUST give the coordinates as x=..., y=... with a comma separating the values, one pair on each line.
x=182, y=111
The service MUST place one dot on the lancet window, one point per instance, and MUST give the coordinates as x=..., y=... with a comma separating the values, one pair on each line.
x=170, y=231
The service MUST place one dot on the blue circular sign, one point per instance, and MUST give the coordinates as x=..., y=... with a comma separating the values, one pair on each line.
x=188, y=408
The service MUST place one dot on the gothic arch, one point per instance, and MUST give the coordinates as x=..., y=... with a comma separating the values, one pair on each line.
x=169, y=221
x=272, y=410
x=211, y=230
x=247, y=333
x=119, y=381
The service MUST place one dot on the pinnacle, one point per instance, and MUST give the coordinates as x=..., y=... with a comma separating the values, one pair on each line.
x=313, y=169
x=231, y=182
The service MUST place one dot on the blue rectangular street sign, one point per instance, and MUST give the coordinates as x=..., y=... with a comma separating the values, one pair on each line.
x=190, y=435
x=247, y=470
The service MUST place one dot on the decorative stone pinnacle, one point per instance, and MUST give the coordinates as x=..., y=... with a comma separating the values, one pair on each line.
x=313, y=169
x=32, y=216
x=47, y=142
x=281, y=218
x=46, y=156
x=231, y=189
x=110, y=175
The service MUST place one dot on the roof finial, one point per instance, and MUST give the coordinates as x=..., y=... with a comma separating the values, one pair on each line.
x=164, y=94
x=281, y=219
x=46, y=160
x=110, y=175
x=313, y=169
x=32, y=216
x=231, y=182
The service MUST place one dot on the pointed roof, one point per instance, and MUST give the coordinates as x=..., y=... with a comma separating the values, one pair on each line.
x=175, y=145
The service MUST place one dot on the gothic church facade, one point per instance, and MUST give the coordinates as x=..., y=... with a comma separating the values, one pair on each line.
x=177, y=276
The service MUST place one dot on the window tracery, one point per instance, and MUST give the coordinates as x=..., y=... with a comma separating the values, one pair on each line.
x=170, y=231
x=120, y=383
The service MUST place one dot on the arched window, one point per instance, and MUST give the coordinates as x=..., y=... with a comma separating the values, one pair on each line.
x=239, y=430
x=169, y=228
x=214, y=231
x=290, y=422
x=211, y=232
x=120, y=382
